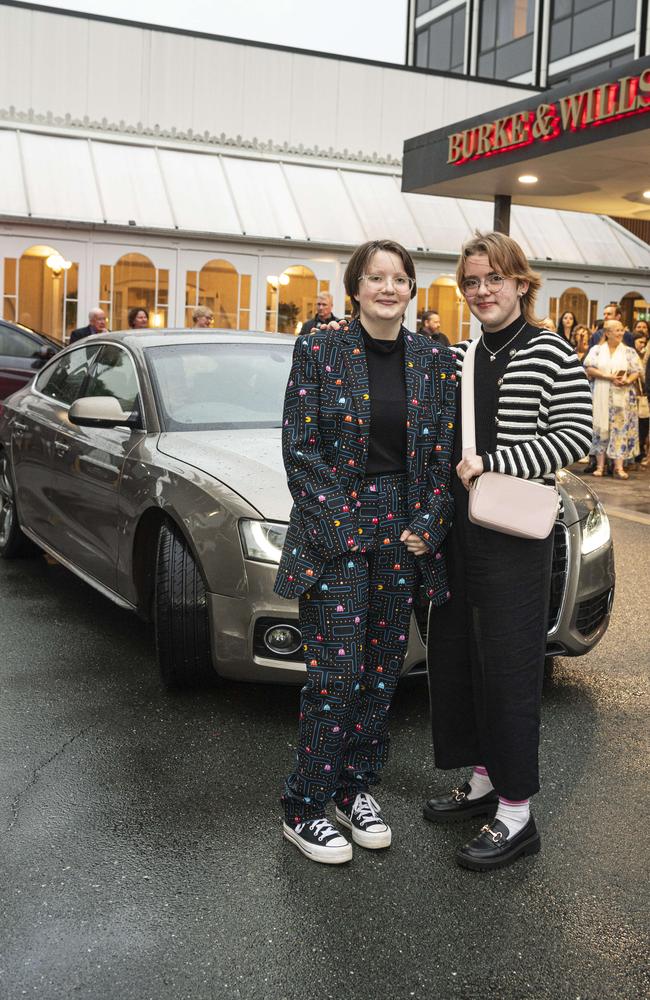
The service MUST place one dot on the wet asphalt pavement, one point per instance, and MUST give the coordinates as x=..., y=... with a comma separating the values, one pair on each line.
x=141, y=854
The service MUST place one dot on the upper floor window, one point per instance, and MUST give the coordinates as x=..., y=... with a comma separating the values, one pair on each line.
x=441, y=44
x=423, y=6
x=580, y=24
x=506, y=38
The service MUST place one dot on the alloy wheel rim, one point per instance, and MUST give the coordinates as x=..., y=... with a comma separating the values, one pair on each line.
x=7, y=507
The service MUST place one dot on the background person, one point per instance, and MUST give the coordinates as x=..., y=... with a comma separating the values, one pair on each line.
x=96, y=324
x=202, y=318
x=324, y=313
x=581, y=340
x=138, y=318
x=567, y=325
x=431, y=327
x=367, y=430
x=486, y=647
x=611, y=311
x=614, y=369
x=548, y=323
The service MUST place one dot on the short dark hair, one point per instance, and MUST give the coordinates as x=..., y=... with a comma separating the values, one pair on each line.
x=132, y=313
x=359, y=261
x=428, y=312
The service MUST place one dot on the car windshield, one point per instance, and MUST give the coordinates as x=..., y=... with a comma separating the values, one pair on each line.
x=202, y=387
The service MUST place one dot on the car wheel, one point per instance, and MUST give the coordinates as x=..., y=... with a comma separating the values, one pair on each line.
x=12, y=540
x=181, y=619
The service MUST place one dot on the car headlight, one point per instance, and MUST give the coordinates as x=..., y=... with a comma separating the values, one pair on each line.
x=262, y=540
x=595, y=530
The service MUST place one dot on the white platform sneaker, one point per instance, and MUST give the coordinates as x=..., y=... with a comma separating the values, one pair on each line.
x=318, y=840
x=364, y=819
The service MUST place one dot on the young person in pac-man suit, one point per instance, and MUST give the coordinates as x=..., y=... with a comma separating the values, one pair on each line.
x=368, y=426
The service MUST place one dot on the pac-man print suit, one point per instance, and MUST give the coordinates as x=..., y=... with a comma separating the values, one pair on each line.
x=342, y=556
x=326, y=423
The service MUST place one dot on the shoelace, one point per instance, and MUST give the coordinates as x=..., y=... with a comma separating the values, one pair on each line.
x=367, y=809
x=323, y=829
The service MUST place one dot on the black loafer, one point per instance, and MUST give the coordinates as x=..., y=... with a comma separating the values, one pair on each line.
x=493, y=848
x=456, y=806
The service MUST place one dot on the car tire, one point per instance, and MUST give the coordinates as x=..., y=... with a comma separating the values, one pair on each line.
x=181, y=619
x=12, y=540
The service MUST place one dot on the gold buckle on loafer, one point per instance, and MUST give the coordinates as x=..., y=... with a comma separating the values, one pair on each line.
x=496, y=835
x=458, y=794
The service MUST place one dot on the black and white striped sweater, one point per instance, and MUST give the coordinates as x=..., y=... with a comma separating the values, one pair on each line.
x=544, y=410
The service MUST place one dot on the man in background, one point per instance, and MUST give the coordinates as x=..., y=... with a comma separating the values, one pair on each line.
x=96, y=324
x=611, y=311
x=431, y=327
x=324, y=313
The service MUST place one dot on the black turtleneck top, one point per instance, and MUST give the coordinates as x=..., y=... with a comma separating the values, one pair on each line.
x=388, y=415
x=488, y=377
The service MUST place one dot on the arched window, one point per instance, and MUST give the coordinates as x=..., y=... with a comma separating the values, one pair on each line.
x=220, y=287
x=133, y=281
x=41, y=291
x=291, y=298
x=443, y=296
x=633, y=307
x=576, y=301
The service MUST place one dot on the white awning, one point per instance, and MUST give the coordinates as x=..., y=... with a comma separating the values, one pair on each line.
x=225, y=192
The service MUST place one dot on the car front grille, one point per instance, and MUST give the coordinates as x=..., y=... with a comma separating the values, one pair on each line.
x=559, y=573
x=592, y=613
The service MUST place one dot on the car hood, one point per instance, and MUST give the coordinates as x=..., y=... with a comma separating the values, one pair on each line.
x=249, y=462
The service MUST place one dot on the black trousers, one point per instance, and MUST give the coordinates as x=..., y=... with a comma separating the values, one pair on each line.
x=486, y=654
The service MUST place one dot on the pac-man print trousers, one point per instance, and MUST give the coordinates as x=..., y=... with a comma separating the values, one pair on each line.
x=355, y=625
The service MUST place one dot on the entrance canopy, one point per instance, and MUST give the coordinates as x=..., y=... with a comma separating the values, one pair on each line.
x=586, y=145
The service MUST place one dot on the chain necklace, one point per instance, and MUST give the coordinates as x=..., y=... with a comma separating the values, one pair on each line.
x=493, y=354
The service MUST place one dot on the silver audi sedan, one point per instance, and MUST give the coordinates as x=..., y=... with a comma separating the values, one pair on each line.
x=149, y=464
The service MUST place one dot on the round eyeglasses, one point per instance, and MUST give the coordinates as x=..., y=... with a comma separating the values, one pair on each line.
x=470, y=286
x=400, y=282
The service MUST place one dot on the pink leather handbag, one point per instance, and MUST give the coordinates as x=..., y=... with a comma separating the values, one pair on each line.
x=497, y=501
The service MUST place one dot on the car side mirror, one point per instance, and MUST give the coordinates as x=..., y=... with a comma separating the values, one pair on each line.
x=102, y=411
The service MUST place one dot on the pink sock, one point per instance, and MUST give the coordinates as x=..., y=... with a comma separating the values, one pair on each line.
x=479, y=783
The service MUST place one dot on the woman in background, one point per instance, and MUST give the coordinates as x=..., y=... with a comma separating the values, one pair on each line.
x=614, y=370
x=567, y=325
x=581, y=337
x=138, y=318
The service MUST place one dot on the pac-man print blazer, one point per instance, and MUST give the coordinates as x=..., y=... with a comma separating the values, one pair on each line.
x=326, y=424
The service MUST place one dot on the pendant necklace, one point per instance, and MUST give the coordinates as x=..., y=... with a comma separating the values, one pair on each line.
x=493, y=354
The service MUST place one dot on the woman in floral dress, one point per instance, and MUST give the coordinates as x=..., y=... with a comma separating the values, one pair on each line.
x=614, y=369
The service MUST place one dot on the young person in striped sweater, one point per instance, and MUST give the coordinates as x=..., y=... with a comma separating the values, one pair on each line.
x=486, y=646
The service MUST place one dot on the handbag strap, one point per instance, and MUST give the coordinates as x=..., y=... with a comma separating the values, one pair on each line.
x=467, y=400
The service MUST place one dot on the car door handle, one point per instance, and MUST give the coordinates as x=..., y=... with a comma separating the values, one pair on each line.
x=61, y=447
x=18, y=426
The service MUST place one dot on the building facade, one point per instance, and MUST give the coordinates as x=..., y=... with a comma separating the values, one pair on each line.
x=537, y=42
x=143, y=166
